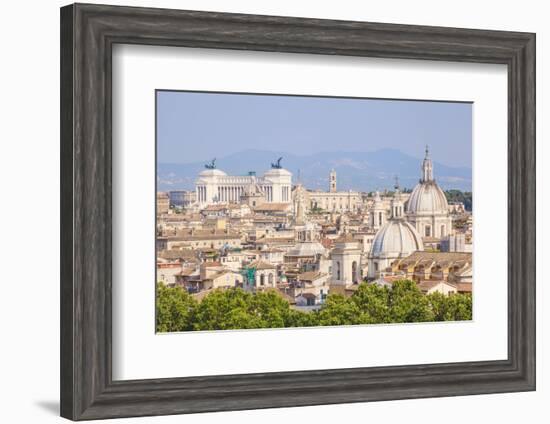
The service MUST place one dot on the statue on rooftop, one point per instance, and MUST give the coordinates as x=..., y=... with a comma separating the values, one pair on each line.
x=211, y=165
x=277, y=165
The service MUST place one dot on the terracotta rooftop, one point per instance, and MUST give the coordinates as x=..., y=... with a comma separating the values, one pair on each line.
x=203, y=235
x=430, y=284
x=220, y=274
x=188, y=271
x=261, y=265
x=275, y=240
x=443, y=259
x=273, y=207
x=176, y=254
x=271, y=250
x=223, y=206
x=464, y=287
x=212, y=264
x=345, y=238
x=310, y=275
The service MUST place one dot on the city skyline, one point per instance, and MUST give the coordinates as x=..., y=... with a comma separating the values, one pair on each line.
x=278, y=216
x=357, y=171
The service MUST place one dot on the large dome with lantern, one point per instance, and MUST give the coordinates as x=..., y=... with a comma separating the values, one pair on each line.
x=427, y=198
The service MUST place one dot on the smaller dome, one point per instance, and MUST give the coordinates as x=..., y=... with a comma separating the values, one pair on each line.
x=396, y=238
x=427, y=198
x=212, y=172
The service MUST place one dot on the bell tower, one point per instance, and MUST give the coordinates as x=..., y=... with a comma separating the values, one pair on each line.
x=332, y=181
x=377, y=214
x=397, y=204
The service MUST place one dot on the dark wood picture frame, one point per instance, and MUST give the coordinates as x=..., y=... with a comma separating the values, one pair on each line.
x=88, y=33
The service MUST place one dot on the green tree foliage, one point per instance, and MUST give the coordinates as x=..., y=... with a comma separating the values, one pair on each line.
x=373, y=302
x=370, y=304
x=408, y=304
x=455, y=307
x=237, y=309
x=460, y=196
x=301, y=319
x=440, y=306
x=337, y=310
x=224, y=310
x=461, y=307
x=175, y=309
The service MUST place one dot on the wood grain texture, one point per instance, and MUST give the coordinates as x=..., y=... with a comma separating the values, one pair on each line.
x=88, y=33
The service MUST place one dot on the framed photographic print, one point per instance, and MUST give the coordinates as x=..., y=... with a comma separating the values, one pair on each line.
x=265, y=211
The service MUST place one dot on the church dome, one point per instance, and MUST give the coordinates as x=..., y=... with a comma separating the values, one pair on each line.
x=427, y=198
x=396, y=238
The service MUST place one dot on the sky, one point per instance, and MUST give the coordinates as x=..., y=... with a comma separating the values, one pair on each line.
x=195, y=127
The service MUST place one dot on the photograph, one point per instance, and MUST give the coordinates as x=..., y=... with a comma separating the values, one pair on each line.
x=277, y=211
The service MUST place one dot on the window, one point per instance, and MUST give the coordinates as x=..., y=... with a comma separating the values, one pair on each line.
x=354, y=272
x=270, y=279
x=427, y=231
x=442, y=230
x=376, y=266
x=337, y=270
x=262, y=280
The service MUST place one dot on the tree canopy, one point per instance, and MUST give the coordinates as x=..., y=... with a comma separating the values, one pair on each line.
x=370, y=304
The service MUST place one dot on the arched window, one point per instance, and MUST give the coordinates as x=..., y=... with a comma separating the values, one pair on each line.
x=354, y=275
x=262, y=280
x=270, y=279
x=337, y=270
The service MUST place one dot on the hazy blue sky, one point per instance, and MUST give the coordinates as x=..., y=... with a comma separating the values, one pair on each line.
x=199, y=126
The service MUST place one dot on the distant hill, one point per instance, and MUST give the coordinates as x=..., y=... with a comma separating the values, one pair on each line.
x=362, y=171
